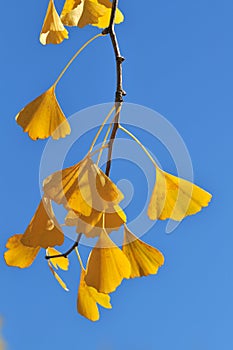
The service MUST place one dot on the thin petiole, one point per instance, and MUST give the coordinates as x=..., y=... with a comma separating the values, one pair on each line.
x=105, y=140
x=79, y=258
x=97, y=151
x=101, y=128
x=103, y=221
x=76, y=54
x=140, y=144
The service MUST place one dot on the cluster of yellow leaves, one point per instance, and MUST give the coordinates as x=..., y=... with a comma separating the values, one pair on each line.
x=82, y=188
x=92, y=225
x=92, y=203
x=108, y=265
x=78, y=13
x=91, y=199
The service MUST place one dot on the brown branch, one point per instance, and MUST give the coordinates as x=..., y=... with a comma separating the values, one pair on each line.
x=65, y=255
x=118, y=104
x=119, y=88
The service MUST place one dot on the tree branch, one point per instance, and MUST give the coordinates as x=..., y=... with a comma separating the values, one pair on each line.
x=119, y=88
x=65, y=255
x=118, y=105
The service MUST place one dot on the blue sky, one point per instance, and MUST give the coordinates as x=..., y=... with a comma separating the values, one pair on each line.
x=179, y=63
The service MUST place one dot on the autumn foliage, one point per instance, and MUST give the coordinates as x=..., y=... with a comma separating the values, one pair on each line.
x=91, y=200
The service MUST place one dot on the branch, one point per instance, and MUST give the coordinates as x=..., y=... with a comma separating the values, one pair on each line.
x=118, y=104
x=65, y=255
x=119, y=89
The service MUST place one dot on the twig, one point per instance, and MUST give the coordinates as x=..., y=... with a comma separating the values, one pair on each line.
x=119, y=88
x=65, y=255
x=118, y=104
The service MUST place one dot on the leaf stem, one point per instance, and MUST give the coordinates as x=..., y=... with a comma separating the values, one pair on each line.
x=104, y=141
x=75, y=55
x=97, y=150
x=140, y=144
x=79, y=258
x=100, y=129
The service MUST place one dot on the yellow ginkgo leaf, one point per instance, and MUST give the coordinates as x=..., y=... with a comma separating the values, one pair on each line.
x=103, y=21
x=72, y=12
x=144, y=259
x=81, y=188
x=18, y=254
x=175, y=198
x=107, y=265
x=92, y=225
x=43, y=230
x=58, y=278
x=53, y=30
x=88, y=298
x=61, y=262
x=83, y=12
x=43, y=117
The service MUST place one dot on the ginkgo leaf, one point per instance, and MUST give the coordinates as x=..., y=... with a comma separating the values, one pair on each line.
x=175, y=198
x=58, y=278
x=53, y=30
x=92, y=225
x=83, y=12
x=107, y=265
x=43, y=117
x=144, y=259
x=104, y=20
x=88, y=298
x=18, y=254
x=43, y=230
x=61, y=262
x=72, y=12
x=81, y=188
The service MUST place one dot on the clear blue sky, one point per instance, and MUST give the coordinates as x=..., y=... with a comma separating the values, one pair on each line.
x=179, y=62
